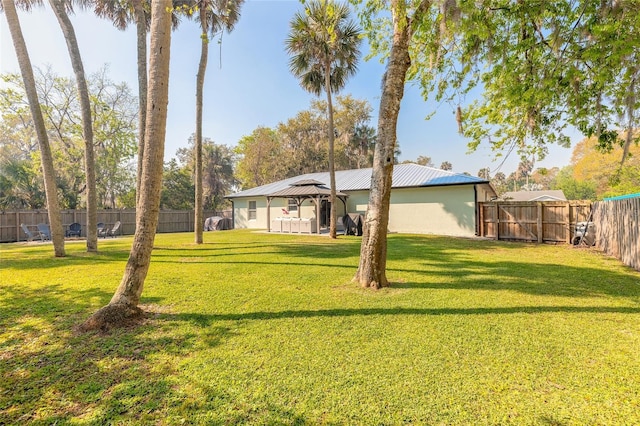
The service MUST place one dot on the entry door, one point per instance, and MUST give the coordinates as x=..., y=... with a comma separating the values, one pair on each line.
x=325, y=213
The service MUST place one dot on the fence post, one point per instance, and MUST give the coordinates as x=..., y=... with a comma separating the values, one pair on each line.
x=567, y=220
x=497, y=207
x=540, y=229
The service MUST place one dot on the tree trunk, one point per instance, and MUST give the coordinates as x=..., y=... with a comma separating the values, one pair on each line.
x=53, y=208
x=332, y=162
x=123, y=305
x=87, y=129
x=141, y=33
x=198, y=221
x=373, y=251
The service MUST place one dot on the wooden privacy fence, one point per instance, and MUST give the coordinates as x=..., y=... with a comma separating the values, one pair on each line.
x=538, y=221
x=617, y=226
x=169, y=221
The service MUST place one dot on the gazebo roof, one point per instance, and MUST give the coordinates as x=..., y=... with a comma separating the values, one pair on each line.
x=307, y=182
x=306, y=190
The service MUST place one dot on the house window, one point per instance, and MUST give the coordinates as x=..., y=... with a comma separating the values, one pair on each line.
x=252, y=210
x=293, y=206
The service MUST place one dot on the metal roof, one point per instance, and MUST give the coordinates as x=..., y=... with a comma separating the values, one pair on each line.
x=408, y=175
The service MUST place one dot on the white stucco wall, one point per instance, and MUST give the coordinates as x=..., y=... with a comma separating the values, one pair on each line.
x=439, y=210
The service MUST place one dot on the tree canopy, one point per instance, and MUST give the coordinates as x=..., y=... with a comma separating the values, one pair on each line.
x=299, y=145
x=114, y=120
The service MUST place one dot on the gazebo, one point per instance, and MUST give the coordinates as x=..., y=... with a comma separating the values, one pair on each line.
x=307, y=189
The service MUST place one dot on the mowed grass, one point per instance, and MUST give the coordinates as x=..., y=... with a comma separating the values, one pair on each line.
x=252, y=328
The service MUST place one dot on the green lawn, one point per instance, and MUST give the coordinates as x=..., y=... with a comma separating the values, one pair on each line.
x=251, y=328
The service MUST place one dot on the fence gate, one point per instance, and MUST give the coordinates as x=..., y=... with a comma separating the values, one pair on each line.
x=538, y=221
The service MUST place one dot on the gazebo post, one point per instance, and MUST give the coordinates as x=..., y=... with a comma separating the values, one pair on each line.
x=316, y=201
x=268, y=214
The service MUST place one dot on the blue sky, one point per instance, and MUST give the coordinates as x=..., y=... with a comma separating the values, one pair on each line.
x=248, y=83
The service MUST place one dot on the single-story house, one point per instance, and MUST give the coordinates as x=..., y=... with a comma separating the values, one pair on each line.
x=548, y=195
x=423, y=200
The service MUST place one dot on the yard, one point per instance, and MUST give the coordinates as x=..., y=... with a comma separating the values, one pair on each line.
x=253, y=328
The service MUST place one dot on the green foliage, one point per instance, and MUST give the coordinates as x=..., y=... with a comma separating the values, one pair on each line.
x=323, y=40
x=178, y=190
x=299, y=145
x=259, y=158
x=114, y=121
x=500, y=183
x=20, y=187
x=603, y=169
x=263, y=329
x=534, y=68
x=626, y=181
x=218, y=178
x=446, y=165
x=214, y=16
x=572, y=188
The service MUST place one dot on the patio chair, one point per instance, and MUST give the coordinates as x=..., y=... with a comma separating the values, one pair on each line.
x=30, y=235
x=112, y=232
x=75, y=229
x=45, y=233
x=102, y=230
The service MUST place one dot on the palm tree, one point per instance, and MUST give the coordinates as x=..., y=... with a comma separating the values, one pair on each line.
x=121, y=13
x=60, y=9
x=324, y=45
x=123, y=306
x=53, y=207
x=214, y=16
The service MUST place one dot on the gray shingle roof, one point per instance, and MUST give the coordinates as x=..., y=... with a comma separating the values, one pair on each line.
x=548, y=195
x=407, y=175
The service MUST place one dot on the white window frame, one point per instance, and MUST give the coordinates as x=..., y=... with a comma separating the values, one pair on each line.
x=252, y=211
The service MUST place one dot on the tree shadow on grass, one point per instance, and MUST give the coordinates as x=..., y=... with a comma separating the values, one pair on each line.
x=207, y=320
x=525, y=277
x=47, y=261
x=52, y=375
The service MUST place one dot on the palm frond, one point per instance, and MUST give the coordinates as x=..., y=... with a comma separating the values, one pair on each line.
x=321, y=35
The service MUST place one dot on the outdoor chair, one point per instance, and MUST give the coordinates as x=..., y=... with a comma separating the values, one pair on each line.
x=30, y=235
x=45, y=233
x=102, y=230
x=75, y=229
x=112, y=232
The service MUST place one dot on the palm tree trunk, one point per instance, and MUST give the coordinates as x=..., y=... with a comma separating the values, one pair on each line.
x=53, y=208
x=373, y=251
x=198, y=220
x=123, y=305
x=332, y=163
x=87, y=129
x=141, y=33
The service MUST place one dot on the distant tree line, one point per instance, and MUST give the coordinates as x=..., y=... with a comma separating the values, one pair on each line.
x=591, y=175
x=299, y=145
x=294, y=147
x=114, y=114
